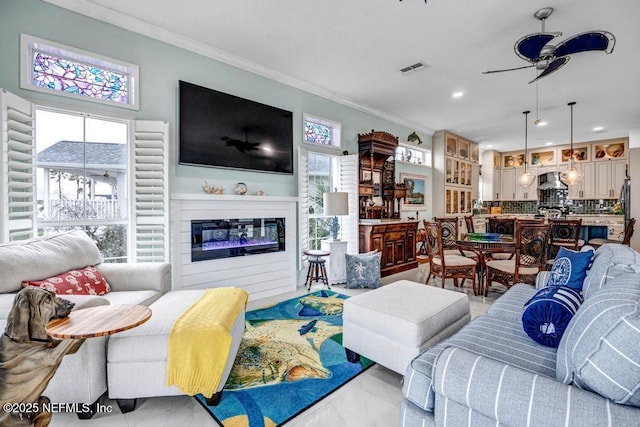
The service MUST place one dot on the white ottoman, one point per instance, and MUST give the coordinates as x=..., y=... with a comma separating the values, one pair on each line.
x=394, y=323
x=137, y=358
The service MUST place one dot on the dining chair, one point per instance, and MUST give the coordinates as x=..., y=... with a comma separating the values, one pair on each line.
x=468, y=220
x=626, y=240
x=530, y=257
x=447, y=265
x=564, y=233
x=501, y=226
x=450, y=237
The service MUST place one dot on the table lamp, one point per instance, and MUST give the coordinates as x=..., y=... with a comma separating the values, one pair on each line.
x=336, y=203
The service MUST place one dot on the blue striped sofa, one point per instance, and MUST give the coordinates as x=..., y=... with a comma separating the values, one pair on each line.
x=491, y=373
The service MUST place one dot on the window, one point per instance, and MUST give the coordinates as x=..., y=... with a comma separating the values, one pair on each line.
x=416, y=156
x=81, y=175
x=321, y=132
x=319, y=183
x=51, y=67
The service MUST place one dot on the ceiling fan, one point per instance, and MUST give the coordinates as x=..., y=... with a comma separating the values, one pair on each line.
x=548, y=58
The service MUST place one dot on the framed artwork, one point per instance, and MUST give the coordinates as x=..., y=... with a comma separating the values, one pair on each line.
x=416, y=191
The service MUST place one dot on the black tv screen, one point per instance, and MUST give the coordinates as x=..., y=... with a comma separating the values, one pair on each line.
x=222, y=130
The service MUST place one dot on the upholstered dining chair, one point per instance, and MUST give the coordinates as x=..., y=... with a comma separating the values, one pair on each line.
x=501, y=226
x=447, y=265
x=564, y=233
x=626, y=240
x=450, y=237
x=530, y=257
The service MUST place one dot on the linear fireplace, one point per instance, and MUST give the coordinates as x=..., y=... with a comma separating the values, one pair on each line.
x=225, y=238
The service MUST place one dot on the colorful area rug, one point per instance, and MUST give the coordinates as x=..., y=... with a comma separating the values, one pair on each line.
x=291, y=356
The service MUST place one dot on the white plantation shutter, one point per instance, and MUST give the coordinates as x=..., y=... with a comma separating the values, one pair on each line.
x=348, y=181
x=17, y=168
x=303, y=205
x=149, y=195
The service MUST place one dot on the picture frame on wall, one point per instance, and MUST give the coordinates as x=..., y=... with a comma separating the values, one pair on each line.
x=416, y=191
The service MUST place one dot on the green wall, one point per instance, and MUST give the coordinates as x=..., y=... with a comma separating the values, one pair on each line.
x=161, y=66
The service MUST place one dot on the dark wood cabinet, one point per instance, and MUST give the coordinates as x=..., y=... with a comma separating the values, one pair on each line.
x=396, y=241
x=378, y=191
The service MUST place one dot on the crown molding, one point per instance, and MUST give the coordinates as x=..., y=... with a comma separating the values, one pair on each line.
x=139, y=26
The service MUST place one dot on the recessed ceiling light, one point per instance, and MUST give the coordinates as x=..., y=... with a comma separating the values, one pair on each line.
x=598, y=129
x=490, y=146
x=457, y=94
x=548, y=143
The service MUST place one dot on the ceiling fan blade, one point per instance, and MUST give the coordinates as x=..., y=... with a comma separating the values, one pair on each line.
x=508, y=69
x=555, y=65
x=530, y=46
x=585, y=42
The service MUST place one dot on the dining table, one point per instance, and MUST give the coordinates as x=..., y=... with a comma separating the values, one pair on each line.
x=485, y=244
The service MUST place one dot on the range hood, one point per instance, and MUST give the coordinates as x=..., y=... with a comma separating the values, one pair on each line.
x=551, y=180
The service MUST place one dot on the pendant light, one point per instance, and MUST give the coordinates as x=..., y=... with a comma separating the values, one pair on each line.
x=572, y=175
x=538, y=121
x=525, y=179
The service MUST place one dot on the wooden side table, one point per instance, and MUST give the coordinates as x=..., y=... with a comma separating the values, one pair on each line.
x=98, y=321
x=337, y=268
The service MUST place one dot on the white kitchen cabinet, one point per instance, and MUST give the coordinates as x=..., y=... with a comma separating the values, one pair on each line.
x=585, y=189
x=609, y=176
x=508, y=184
x=491, y=175
x=527, y=193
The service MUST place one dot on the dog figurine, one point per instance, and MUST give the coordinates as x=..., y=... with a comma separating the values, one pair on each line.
x=29, y=357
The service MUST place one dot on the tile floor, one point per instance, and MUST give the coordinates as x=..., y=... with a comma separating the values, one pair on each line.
x=371, y=399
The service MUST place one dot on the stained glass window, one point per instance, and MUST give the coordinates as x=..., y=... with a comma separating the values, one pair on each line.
x=321, y=131
x=51, y=67
x=317, y=133
x=83, y=79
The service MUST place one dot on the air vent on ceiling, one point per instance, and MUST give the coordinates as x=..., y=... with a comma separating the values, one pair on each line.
x=415, y=67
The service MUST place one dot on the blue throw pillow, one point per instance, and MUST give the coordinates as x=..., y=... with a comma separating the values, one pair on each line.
x=570, y=268
x=363, y=270
x=548, y=313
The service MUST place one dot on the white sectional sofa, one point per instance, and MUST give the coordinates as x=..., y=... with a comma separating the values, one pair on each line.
x=82, y=376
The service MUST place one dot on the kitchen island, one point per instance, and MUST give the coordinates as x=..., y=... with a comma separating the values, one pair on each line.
x=605, y=226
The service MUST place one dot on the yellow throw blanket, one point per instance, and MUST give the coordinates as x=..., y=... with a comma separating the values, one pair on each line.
x=200, y=339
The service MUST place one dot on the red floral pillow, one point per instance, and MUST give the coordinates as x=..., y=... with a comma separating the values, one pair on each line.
x=85, y=281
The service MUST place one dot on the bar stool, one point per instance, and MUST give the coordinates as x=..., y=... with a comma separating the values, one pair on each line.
x=317, y=268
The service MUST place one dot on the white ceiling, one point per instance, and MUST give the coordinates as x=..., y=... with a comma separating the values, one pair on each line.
x=353, y=50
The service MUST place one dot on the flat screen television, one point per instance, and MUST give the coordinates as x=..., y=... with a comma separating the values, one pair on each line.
x=222, y=130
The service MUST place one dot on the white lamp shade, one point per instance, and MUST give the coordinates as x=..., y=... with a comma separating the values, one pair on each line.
x=336, y=203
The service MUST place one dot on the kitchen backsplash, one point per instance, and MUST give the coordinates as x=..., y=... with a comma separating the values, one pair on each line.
x=555, y=198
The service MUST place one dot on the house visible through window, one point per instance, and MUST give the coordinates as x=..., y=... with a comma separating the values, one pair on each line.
x=81, y=177
x=52, y=67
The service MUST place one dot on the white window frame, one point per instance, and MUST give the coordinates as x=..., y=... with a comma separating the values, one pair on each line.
x=30, y=43
x=336, y=131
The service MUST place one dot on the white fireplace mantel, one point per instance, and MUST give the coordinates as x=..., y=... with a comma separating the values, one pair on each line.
x=261, y=275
